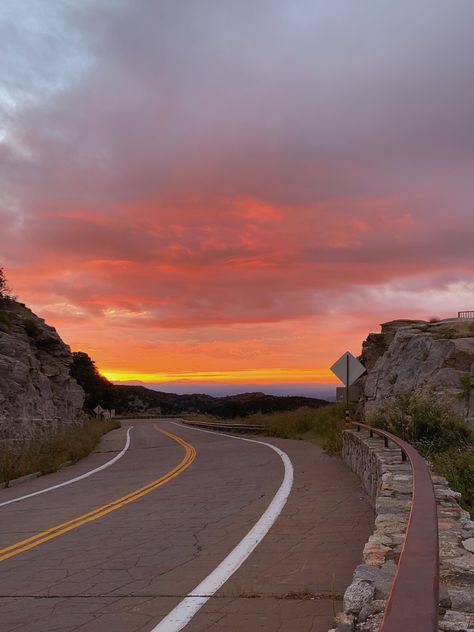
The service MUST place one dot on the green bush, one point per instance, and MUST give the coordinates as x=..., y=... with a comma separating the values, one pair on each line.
x=423, y=420
x=458, y=467
x=440, y=435
x=465, y=387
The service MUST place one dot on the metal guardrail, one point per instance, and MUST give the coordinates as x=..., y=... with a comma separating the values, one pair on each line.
x=230, y=427
x=413, y=602
x=468, y=314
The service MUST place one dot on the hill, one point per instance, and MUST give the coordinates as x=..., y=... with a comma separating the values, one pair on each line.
x=139, y=399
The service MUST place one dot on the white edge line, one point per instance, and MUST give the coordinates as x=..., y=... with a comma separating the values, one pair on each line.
x=182, y=614
x=78, y=478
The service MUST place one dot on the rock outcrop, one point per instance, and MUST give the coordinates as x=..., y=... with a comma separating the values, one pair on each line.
x=37, y=394
x=418, y=355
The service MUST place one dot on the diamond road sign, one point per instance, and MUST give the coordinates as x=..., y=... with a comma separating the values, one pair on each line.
x=348, y=368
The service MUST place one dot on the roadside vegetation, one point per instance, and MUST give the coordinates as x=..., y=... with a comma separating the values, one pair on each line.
x=322, y=425
x=97, y=388
x=49, y=454
x=442, y=437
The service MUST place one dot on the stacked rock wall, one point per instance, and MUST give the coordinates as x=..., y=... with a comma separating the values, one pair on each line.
x=388, y=482
x=37, y=394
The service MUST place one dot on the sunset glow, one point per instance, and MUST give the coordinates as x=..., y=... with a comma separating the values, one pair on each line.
x=258, y=376
x=235, y=192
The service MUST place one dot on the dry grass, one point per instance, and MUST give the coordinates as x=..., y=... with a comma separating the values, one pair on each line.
x=320, y=425
x=49, y=454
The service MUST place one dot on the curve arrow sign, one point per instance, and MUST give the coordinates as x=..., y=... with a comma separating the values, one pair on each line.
x=348, y=368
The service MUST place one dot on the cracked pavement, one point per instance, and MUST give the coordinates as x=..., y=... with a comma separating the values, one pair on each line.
x=128, y=569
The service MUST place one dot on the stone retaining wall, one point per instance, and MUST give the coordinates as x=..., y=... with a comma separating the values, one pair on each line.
x=388, y=483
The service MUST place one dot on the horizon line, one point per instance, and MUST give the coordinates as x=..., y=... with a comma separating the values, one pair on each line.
x=259, y=376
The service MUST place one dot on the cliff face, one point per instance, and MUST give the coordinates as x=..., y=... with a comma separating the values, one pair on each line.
x=417, y=355
x=37, y=394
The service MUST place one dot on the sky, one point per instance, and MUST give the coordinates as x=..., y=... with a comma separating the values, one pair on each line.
x=227, y=193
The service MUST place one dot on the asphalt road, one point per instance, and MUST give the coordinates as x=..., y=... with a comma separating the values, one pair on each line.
x=119, y=550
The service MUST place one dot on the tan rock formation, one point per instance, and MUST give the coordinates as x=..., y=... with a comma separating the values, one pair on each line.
x=419, y=355
x=37, y=394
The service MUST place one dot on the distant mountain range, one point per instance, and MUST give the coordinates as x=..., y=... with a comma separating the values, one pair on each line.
x=139, y=399
x=222, y=389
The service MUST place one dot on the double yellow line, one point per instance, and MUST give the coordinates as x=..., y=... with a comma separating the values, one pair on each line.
x=59, y=529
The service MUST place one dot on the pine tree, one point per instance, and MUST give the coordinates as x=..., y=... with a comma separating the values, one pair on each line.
x=98, y=389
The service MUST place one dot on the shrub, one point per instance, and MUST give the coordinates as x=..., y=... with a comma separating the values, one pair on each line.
x=465, y=388
x=49, y=454
x=327, y=427
x=323, y=425
x=423, y=420
x=437, y=433
x=289, y=424
x=458, y=467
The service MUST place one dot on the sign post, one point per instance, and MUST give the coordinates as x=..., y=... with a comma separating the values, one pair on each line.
x=347, y=369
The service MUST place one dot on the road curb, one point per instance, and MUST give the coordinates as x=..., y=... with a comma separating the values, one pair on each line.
x=30, y=477
x=21, y=479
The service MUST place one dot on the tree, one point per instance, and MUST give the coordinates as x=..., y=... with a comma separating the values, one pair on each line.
x=4, y=289
x=98, y=389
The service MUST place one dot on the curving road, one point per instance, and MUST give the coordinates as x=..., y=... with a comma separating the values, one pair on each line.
x=123, y=549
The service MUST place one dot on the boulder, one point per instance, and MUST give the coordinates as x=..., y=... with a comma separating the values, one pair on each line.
x=357, y=595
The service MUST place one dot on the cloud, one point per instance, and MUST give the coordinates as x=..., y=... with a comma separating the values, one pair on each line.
x=216, y=165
